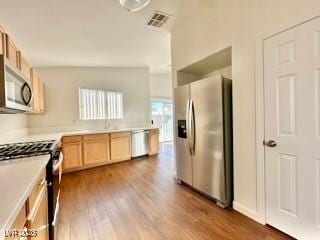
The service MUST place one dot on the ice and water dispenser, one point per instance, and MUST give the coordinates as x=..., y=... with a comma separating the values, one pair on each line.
x=182, y=128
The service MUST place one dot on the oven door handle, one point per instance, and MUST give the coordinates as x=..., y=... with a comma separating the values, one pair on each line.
x=59, y=163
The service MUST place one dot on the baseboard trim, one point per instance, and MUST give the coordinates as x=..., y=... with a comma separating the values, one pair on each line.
x=175, y=175
x=248, y=212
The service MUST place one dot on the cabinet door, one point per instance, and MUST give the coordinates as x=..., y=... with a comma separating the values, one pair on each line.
x=120, y=148
x=96, y=152
x=18, y=224
x=72, y=157
x=38, y=218
x=35, y=90
x=41, y=95
x=24, y=66
x=11, y=52
x=2, y=41
x=154, y=144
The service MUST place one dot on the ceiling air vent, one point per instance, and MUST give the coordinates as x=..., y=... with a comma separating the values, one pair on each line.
x=158, y=19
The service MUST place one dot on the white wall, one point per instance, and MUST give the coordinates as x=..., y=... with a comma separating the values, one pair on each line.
x=226, y=72
x=61, y=96
x=161, y=85
x=237, y=23
x=12, y=126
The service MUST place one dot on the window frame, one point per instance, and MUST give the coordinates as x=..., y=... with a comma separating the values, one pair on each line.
x=107, y=115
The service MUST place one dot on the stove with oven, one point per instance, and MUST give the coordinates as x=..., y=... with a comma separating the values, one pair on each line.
x=17, y=151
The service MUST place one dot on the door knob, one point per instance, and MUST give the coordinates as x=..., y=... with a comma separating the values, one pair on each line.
x=270, y=143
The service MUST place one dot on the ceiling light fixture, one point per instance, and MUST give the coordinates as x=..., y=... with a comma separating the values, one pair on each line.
x=134, y=5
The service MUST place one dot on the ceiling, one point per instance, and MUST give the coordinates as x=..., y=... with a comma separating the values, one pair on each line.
x=92, y=32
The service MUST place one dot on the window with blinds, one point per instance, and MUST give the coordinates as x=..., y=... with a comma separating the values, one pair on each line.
x=99, y=104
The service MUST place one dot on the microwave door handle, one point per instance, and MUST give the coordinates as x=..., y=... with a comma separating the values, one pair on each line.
x=26, y=87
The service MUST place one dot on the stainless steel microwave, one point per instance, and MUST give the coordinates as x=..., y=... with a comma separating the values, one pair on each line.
x=15, y=91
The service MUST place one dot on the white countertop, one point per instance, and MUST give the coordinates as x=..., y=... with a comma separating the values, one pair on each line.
x=17, y=178
x=58, y=135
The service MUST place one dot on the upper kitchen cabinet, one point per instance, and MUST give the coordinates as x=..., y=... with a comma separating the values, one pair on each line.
x=12, y=52
x=38, y=92
x=2, y=41
x=24, y=66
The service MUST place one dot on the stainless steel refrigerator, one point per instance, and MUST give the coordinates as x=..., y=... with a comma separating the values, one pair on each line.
x=203, y=139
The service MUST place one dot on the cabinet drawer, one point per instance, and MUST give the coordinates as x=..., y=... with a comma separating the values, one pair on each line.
x=120, y=134
x=154, y=131
x=71, y=139
x=37, y=189
x=93, y=137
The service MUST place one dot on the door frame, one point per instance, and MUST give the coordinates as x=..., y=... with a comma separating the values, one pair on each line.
x=260, y=114
x=165, y=100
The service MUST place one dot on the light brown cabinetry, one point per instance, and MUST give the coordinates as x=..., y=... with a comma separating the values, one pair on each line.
x=11, y=52
x=154, y=141
x=72, y=152
x=96, y=149
x=24, y=66
x=38, y=92
x=38, y=216
x=37, y=190
x=33, y=216
x=16, y=59
x=2, y=41
x=19, y=224
x=89, y=150
x=120, y=146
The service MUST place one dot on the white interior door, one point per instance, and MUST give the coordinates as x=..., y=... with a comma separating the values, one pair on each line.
x=292, y=120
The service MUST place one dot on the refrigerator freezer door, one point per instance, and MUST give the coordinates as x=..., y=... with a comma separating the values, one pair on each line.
x=183, y=157
x=208, y=160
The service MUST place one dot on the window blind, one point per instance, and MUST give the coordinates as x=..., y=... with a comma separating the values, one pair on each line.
x=99, y=104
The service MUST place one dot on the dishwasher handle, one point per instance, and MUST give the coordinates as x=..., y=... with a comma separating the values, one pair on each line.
x=140, y=131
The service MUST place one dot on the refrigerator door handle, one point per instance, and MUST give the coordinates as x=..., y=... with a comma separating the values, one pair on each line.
x=188, y=121
x=192, y=124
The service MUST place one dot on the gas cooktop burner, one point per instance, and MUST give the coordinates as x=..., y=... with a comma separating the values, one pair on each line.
x=26, y=149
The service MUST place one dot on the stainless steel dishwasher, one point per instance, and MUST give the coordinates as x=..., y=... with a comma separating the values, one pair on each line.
x=140, y=143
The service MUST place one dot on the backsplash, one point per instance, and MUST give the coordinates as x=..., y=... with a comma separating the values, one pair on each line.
x=12, y=126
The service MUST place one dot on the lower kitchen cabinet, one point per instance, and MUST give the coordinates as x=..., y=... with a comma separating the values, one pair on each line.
x=38, y=217
x=32, y=221
x=96, y=149
x=19, y=224
x=89, y=150
x=154, y=142
x=72, y=153
x=120, y=146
